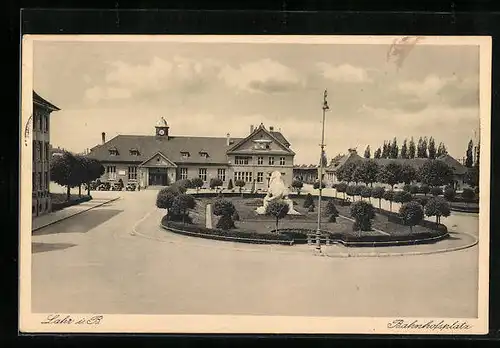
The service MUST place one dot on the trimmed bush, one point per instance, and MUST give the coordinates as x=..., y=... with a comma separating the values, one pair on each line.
x=363, y=213
x=436, y=191
x=366, y=192
x=240, y=184
x=308, y=201
x=422, y=200
x=378, y=193
x=230, y=184
x=297, y=185
x=437, y=206
x=351, y=190
x=449, y=193
x=402, y=197
x=341, y=187
x=179, y=210
x=414, y=189
x=277, y=209
x=467, y=195
x=165, y=197
x=411, y=214
x=424, y=188
x=389, y=196
x=215, y=182
x=406, y=187
x=196, y=183
x=225, y=209
x=316, y=185
x=332, y=211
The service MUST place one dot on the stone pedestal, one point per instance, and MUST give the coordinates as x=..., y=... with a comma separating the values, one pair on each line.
x=208, y=216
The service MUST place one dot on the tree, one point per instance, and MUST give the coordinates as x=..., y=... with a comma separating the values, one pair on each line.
x=435, y=173
x=308, y=201
x=402, y=197
x=385, y=150
x=414, y=189
x=277, y=209
x=441, y=151
x=408, y=173
x=389, y=196
x=165, y=197
x=432, y=148
x=363, y=213
x=225, y=209
x=437, y=206
x=367, y=152
x=297, y=185
x=411, y=213
x=420, y=148
x=436, y=191
x=366, y=192
x=394, y=149
x=472, y=176
x=468, y=154
x=345, y=172
x=197, y=183
x=181, y=205
x=184, y=184
x=230, y=184
x=478, y=152
x=215, y=183
x=411, y=149
x=332, y=211
x=93, y=171
x=378, y=153
x=351, y=191
x=404, y=150
x=390, y=174
x=449, y=193
x=424, y=148
x=378, y=193
x=341, y=187
x=424, y=188
x=64, y=171
x=316, y=185
x=240, y=184
x=366, y=172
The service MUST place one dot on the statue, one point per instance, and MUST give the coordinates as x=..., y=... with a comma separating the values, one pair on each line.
x=277, y=191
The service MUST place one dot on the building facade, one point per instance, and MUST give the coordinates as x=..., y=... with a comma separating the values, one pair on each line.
x=306, y=173
x=42, y=109
x=162, y=158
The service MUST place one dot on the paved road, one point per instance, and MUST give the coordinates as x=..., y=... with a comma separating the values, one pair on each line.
x=92, y=263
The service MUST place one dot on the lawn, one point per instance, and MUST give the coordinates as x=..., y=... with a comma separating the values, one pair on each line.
x=250, y=221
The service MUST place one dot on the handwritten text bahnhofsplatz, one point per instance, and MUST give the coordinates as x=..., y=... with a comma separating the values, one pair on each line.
x=428, y=325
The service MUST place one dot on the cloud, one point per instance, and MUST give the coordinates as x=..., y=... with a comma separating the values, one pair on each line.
x=344, y=73
x=265, y=75
x=452, y=91
x=98, y=93
x=158, y=75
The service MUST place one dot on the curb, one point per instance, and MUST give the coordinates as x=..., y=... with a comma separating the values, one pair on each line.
x=77, y=213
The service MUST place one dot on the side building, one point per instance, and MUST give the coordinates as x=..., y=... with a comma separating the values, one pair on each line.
x=163, y=158
x=42, y=109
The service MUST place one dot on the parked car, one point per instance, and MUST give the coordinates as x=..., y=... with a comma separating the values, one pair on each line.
x=116, y=187
x=105, y=186
x=130, y=187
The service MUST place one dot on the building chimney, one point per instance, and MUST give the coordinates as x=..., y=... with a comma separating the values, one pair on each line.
x=103, y=136
x=271, y=128
x=228, y=139
x=251, y=128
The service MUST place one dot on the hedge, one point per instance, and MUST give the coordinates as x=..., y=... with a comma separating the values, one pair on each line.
x=62, y=205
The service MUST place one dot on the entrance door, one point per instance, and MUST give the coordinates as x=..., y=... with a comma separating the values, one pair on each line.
x=157, y=177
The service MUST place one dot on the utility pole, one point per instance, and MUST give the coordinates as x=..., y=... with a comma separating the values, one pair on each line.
x=322, y=145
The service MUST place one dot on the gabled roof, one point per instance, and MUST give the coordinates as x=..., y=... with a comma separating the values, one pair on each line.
x=171, y=148
x=457, y=167
x=44, y=103
x=276, y=136
x=158, y=153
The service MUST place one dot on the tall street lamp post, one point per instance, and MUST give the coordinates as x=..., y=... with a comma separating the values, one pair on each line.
x=322, y=145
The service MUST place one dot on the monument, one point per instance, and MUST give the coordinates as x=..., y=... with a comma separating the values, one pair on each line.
x=208, y=216
x=277, y=191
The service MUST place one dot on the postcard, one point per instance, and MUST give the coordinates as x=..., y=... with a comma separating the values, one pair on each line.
x=255, y=184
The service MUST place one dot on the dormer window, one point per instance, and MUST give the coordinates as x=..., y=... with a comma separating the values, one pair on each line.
x=134, y=152
x=204, y=154
x=184, y=154
x=113, y=151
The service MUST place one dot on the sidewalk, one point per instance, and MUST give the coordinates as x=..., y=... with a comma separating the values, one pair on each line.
x=51, y=218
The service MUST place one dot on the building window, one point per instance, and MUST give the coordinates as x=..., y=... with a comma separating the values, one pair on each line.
x=184, y=155
x=282, y=161
x=47, y=151
x=241, y=160
x=39, y=180
x=203, y=154
x=33, y=181
x=132, y=173
x=46, y=175
x=113, y=152
x=245, y=176
x=38, y=151
x=260, y=160
x=221, y=174
x=111, y=171
x=248, y=176
x=202, y=174
x=271, y=161
x=134, y=152
x=40, y=122
x=184, y=173
x=260, y=177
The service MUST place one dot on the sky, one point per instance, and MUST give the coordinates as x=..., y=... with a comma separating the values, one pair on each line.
x=211, y=89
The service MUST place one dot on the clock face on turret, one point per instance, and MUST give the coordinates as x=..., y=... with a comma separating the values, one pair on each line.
x=161, y=132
